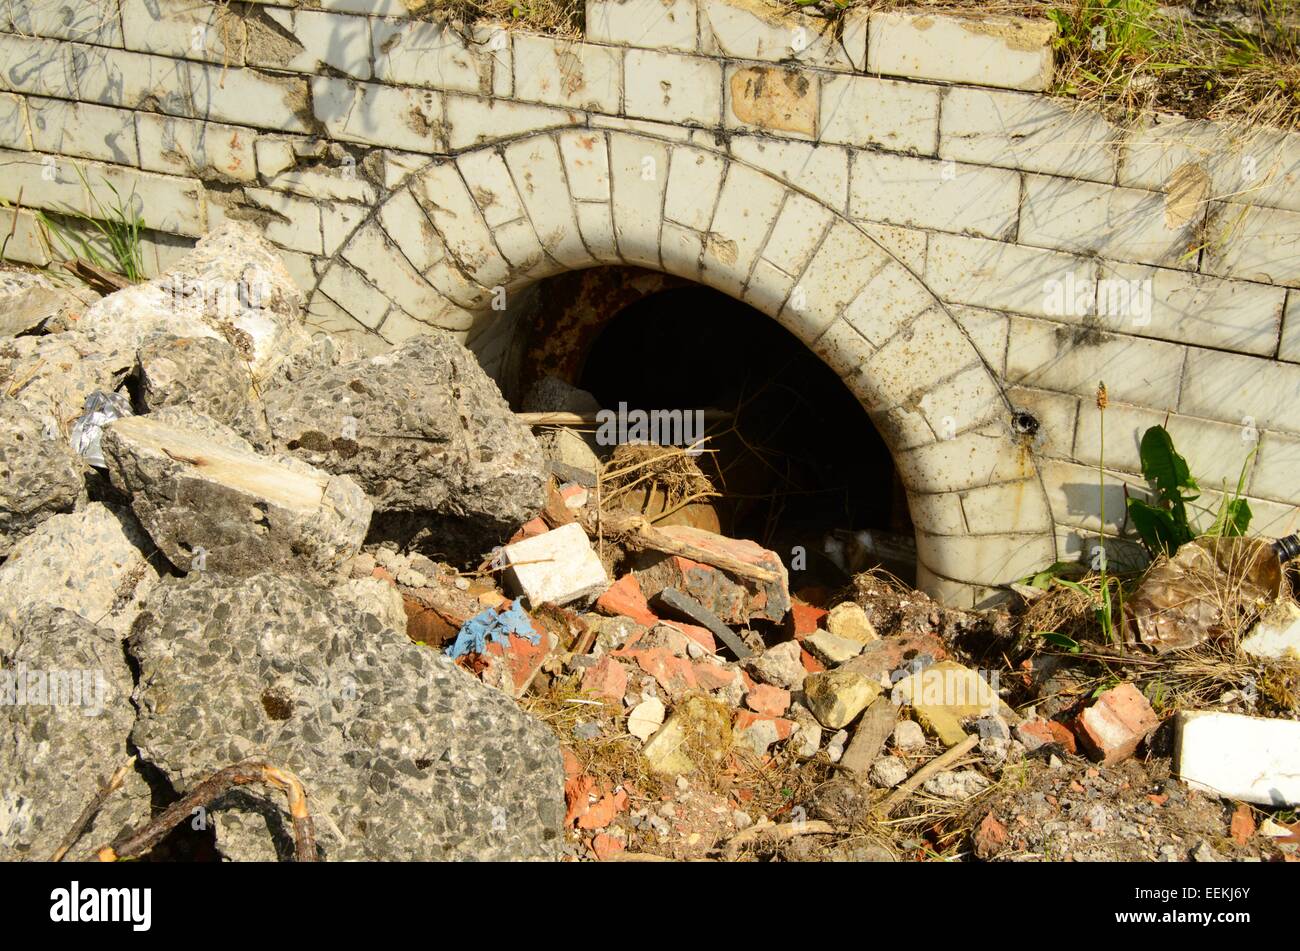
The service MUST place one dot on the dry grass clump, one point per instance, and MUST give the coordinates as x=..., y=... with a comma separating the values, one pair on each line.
x=669, y=473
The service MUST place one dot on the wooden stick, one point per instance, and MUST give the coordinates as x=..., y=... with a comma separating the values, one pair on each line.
x=92, y=809
x=869, y=738
x=897, y=797
x=637, y=532
x=241, y=774
x=778, y=833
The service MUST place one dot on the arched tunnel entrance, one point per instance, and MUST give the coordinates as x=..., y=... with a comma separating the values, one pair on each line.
x=795, y=459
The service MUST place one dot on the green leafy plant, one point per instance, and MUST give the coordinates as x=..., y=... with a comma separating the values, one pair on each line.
x=107, y=236
x=1165, y=525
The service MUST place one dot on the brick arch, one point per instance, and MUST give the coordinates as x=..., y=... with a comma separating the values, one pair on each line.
x=455, y=238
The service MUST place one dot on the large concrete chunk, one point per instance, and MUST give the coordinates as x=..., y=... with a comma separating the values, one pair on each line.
x=205, y=374
x=1239, y=757
x=231, y=286
x=52, y=375
x=404, y=755
x=40, y=475
x=93, y=563
x=30, y=302
x=212, y=507
x=65, y=716
x=423, y=430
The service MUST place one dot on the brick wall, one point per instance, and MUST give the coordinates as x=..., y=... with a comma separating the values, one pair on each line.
x=964, y=250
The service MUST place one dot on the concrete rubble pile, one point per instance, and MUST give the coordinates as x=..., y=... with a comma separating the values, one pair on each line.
x=370, y=572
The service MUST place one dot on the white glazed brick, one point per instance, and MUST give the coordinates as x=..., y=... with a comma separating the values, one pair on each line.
x=639, y=170
x=841, y=347
x=1216, y=450
x=747, y=207
x=290, y=222
x=658, y=24
x=191, y=89
x=410, y=229
x=1124, y=224
x=887, y=303
x=442, y=193
x=189, y=147
x=1056, y=415
x=165, y=203
x=183, y=29
x=988, y=331
x=925, y=193
x=274, y=155
x=563, y=72
x=1002, y=276
x=1021, y=505
x=742, y=29
x=1251, y=165
x=1075, y=494
x=1290, y=346
x=668, y=87
x=1189, y=308
x=370, y=253
x=1007, y=52
x=908, y=245
x=340, y=42
x=768, y=290
x=1275, y=467
x=596, y=223
x=338, y=222
x=681, y=249
x=1254, y=244
x=1074, y=359
x=83, y=130
x=694, y=180
x=37, y=66
x=1248, y=391
x=798, y=230
x=340, y=182
x=843, y=263
x=864, y=111
x=85, y=21
x=472, y=121
x=374, y=114
x=345, y=286
x=822, y=170
x=972, y=459
x=491, y=185
x=1015, y=130
x=586, y=163
x=25, y=244
x=420, y=53
x=15, y=133
x=538, y=173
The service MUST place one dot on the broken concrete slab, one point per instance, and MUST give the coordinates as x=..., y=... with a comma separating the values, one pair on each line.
x=92, y=563
x=205, y=374
x=210, y=507
x=556, y=567
x=30, y=302
x=232, y=286
x=40, y=474
x=1116, y=723
x=781, y=665
x=65, y=716
x=52, y=375
x=1239, y=757
x=425, y=432
x=831, y=649
x=404, y=755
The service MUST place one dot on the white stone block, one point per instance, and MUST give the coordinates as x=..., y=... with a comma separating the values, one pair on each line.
x=926, y=193
x=1290, y=347
x=375, y=114
x=1239, y=757
x=1007, y=52
x=865, y=111
x=472, y=121
x=189, y=147
x=1254, y=244
x=1275, y=468
x=183, y=29
x=1014, y=130
x=839, y=269
x=744, y=29
x=14, y=131
x=821, y=170
x=556, y=567
x=1008, y=277
x=798, y=230
x=331, y=39
x=639, y=169
x=1125, y=224
x=38, y=66
x=586, y=162
x=292, y=223
x=85, y=21
x=536, y=165
x=693, y=184
x=747, y=206
x=420, y=53
x=656, y=24
x=563, y=72
x=1240, y=389
x=668, y=87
